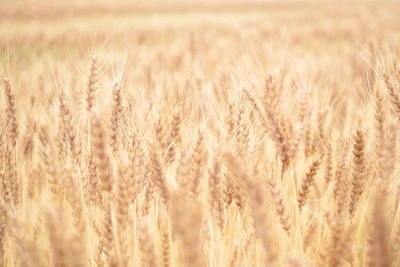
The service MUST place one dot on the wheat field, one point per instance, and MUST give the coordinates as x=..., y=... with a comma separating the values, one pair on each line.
x=150, y=133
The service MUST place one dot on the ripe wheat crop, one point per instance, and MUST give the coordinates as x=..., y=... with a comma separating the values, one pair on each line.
x=199, y=134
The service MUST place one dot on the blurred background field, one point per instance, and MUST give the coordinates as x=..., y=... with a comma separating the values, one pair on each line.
x=210, y=38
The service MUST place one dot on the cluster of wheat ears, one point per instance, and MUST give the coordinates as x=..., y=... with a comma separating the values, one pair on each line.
x=254, y=190
x=193, y=163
